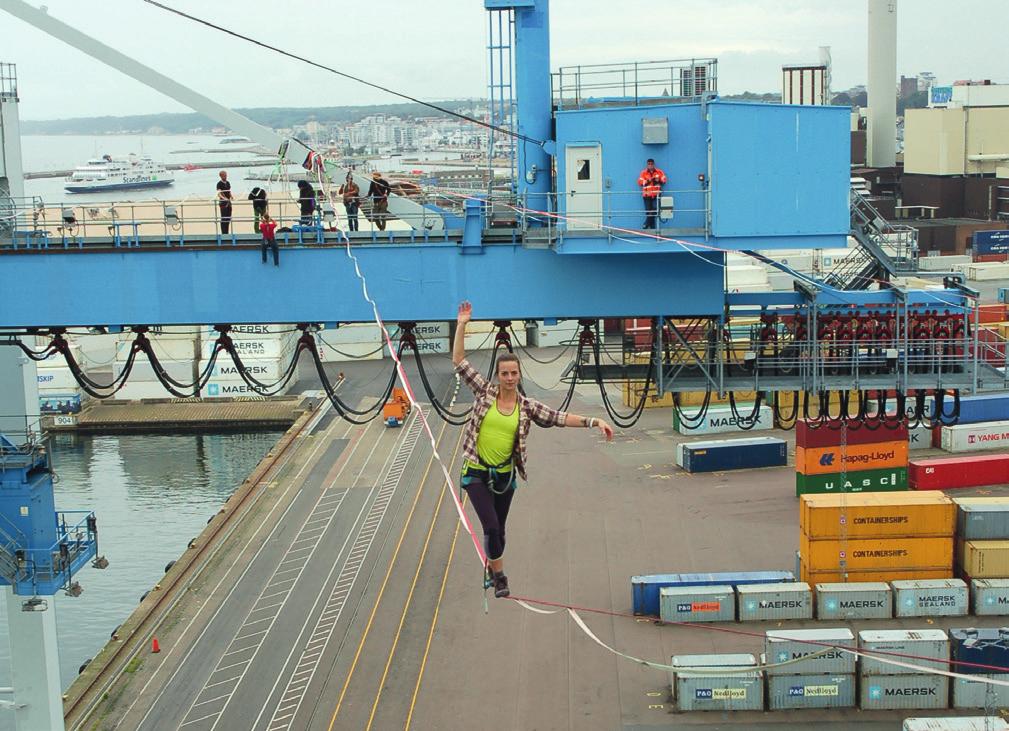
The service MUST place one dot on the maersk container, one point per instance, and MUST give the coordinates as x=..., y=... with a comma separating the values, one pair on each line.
x=784, y=645
x=982, y=521
x=721, y=420
x=645, y=589
x=963, y=723
x=975, y=436
x=735, y=691
x=919, y=437
x=732, y=454
x=774, y=601
x=983, y=407
x=697, y=603
x=978, y=694
x=930, y=598
x=864, y=600
x=973, y=648
x=991, y=597
x=930, y=648
x=810, y=691
x=892, y=692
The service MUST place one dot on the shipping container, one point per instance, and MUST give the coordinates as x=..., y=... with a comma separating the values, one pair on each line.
x=720, y=420
x=983, y=521
x=143, y=372
x=877, y=515
x=860, y=600
x=875, y=554
x=266, y=347
x=953, y=472
x=774, y=601
x=978, y=694
x=828, y=576
x=975, y=437
x=889, y=479
x=736, y=691
x=827, y=460
x=265, y=370
x=941, y=263
x=990, y=597
x=697, y=603
x=732, y=454
x=894, y=692
x=971, y=648
x=985, y=559
x=930, y=598
x=986, y=406
x=237, y=388
x=962, y=723
x=810, y=691
x=645, y=588
x=784, y=645
x=919, y=437
x=825, y=435
x=930, y=648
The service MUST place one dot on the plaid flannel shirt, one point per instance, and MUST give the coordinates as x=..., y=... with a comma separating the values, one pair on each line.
x=530, y=411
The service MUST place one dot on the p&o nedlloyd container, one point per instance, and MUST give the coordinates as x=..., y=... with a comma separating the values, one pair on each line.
x=697, y=603
x=818, y=646
x=645, y=589
x=991, y=597
x=706, y=689
x=930, y=647
x=931, y=598
x=774, y=601
x=981, y=694
x=889, y=692
x=860, y=600
x=810, y=691
x=963, y=723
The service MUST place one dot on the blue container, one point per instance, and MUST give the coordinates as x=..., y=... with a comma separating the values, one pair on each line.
x=645, y=589
x=732, y=454
x=977, y=409
x=991, y=242
x=983, y=646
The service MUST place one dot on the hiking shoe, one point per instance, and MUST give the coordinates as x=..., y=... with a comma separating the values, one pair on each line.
x=501, y=589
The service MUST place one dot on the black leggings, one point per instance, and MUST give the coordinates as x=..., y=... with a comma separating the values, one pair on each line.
x=490, y=506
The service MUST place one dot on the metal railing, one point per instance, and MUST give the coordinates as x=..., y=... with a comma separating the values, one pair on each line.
x=8, y=80
x=645, y=82
x=75, y=541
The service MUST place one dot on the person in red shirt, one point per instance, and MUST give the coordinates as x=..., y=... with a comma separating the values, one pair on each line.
x=651, y=181
x=268, y=227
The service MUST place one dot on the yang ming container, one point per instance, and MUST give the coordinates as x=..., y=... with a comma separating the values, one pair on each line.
x=645, y=589
x=784, y=645
x=774, y=601
x=732, y=454
x=930, y=647
x=810, y=691
x=866, y=600
x=978, y=694
x=697, y=603
x=977, y=521
x=991, y=597
x=933, y=598
x=894, y=692
x=975, y=437
x=981, y=650
x=739, y=689
x=963, y=723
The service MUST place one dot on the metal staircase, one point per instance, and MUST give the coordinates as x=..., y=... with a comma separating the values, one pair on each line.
x=500, y=50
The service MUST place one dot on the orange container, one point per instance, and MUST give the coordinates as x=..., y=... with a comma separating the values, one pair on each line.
x=877, y=554
x=887, y=575
x=877, y=515
x=828, y=460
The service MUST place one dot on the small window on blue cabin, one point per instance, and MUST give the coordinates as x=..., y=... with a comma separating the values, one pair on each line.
x=584, y=169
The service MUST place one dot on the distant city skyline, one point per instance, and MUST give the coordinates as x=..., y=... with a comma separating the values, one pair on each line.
x=436, y=49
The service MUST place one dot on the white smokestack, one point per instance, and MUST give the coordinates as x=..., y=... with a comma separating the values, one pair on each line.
x=882, y=87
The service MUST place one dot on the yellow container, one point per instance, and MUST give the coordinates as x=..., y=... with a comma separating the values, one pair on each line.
x=854, y=457
x=875, y=554
x=985, y=559
x=877, y=515
x=887, y=575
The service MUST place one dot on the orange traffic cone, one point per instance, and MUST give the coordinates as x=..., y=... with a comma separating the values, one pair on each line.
x=155, y=647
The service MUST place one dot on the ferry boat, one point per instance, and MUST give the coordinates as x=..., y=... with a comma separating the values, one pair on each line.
x=109, y=173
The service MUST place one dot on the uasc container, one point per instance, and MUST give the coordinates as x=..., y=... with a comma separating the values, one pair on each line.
x=950, y=472
x=732, y=454
x=933, y=598
x=892, y=692
x=980, y=694
x=875, y=515
x=861, y=600
x=645, y=589
x=987, y=521
x=874, y=554
x=825, y=460
x=985, y=559
x=697, y=603
x=810, y=691
x=991, y=596
x=887, y=479
x=774, y=601
x=815, y=649
x=929, y=647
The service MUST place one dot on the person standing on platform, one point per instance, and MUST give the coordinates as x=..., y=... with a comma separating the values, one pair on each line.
x=351, y=200
x=379, y=194
x=224, y=201
x=306, y=202
x=651, y=181
x=268, y=228
x=259, y=206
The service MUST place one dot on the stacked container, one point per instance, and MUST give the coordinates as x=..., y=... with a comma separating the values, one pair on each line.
x=722, y=420
x=870, y=459
x=760, y=602
x=646, y=589
x=697, y=603
x=266, y=352
x=876, y=537
x=975, y=648
x=699, y=686
x=717, y=455
x=177, y=350
x=824, y=681
x=983, y=537
x=358, y=341
x=859, y=600
x=890, y=687
x=930, y=598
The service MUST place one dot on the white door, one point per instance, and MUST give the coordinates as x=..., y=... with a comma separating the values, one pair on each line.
x=584, y=182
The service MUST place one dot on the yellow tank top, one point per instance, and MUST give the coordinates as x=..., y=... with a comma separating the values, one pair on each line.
x=496, y=440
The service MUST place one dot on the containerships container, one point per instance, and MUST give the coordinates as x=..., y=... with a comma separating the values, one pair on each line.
x=875, y=554
x=975, y=437
x=932, y=598
x=824, y=436
x=963, y=723
x=983, y=521
x=950, y=472
x=877, y=515
x=985, y=559
x=720, y=420
x=774, y=601
x=810, y=691
x=827, y=576
x=930, y=647
x=732, y=454
x=888, y=479
x=697, y=603
x=892, y=692
x=866, y=600
x=645, y=589
x=784, y=645
x=978, y=694
x=980, y=650
x=991, y=596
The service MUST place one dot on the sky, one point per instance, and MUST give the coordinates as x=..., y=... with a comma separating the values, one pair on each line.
x=435, y=49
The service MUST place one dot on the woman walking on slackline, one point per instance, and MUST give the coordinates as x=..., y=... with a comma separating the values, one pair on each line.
x=494, y=443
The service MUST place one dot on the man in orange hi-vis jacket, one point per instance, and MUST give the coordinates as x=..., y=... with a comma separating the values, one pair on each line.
x=651, y=181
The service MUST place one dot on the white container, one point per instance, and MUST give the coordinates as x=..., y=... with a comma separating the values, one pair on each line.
x=57, y=378
x=991, y=597
x=942, y=263
x=895, y=692
x=355, y=333
x=758, y=602
x=237, y=389
x=719, y=420
x=919, y=437
x=857, y=600
x=136, y=390
x=548, y=336
x=974, y=694
x=172, y=349
x=143, y=372
x=253, y=348
x=930, y=598
x=780, y=281
x=971, y=723
x=266, y=370
x=740, y=276
x=929, y=646
x=784, y=645
x=975, y=437
x=740, y=688
x=97, y=349
x=351, y=351
x=435, y=345
x=987, y=271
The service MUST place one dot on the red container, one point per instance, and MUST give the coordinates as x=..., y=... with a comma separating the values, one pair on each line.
x=984, y=258
x=824, y=436
x=951, y=472
x=991, y=313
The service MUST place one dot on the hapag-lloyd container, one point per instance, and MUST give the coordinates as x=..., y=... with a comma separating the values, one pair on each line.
x=877, y=515
x=875, y=554
x=732, y=454
x=961, y=723
x=828, y=460
x=645, y=589
x=774, y=601
x=930, y=648
x=721, y=420
x=973, y=648
x=975, y=437
x=824, y=436
x=888, y=479
x=784, y=645
x=980, y=408
x=985, y=559
x=978, y=694
x=697, y=603
x=862, y=600
x=950, y=472
x=991, y=597
x=810, y=691
x=982, y=521
x=931, y=598
x=892, y=692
